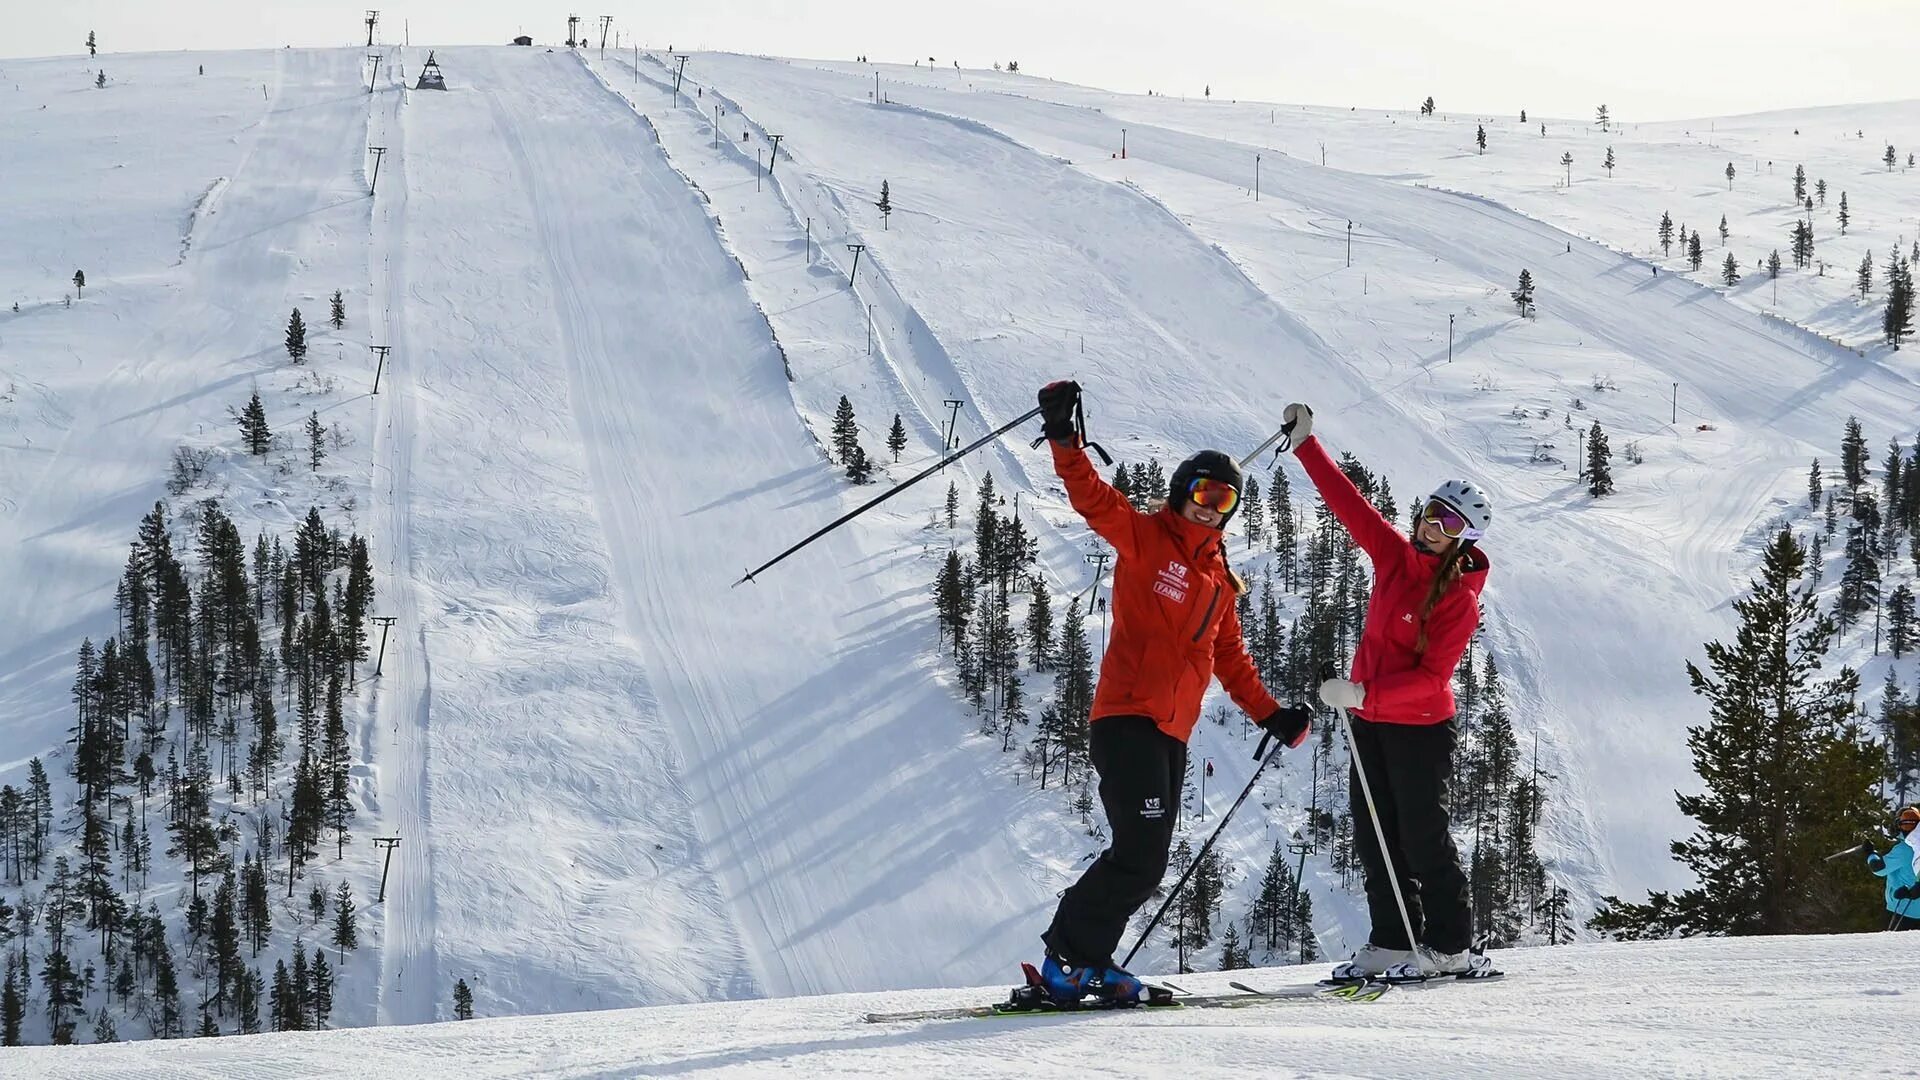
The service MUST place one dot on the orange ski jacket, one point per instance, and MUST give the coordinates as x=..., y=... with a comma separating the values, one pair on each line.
x=1403, y=686
x=1174, y=623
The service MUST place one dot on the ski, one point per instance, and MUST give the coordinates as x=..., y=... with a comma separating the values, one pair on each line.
x=1414, y=980
x=1244, y=997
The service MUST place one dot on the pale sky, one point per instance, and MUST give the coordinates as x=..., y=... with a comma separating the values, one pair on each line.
x=1647, y=59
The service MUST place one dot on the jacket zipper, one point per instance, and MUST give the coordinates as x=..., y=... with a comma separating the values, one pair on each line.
x=1208, y=617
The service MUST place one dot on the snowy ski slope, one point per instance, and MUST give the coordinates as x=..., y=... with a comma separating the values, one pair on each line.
x=1776, y=1007
x=1650, y=568
x=620, y=781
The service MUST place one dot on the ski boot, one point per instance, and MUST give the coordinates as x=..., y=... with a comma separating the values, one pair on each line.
x=1057, y=985
x=1430, y=963
x=1370, y=962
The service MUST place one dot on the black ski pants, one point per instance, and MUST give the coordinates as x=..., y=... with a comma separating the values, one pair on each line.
x=1410, y=767
x=1141, y=770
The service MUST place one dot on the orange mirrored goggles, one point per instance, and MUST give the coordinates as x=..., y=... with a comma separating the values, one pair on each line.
x=1216, y=495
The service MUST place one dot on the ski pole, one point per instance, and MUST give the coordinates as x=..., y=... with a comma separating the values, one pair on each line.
x=1204, y=848
x=1379, y=831
x=895, y=490
x=1854, y=850
x=1380, y=835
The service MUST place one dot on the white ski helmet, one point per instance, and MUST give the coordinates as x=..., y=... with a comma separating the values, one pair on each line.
x=1471, y=504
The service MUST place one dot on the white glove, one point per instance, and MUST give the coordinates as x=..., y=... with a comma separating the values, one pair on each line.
x=1342, y=694
x=1298, y=424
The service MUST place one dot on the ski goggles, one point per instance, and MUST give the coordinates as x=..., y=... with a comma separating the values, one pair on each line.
x=1216, y=495
x=1452, y=523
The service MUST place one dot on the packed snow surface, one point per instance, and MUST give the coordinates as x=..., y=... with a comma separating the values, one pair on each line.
x=1781, y=1007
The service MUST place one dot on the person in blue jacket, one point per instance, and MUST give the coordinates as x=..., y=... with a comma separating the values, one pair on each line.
x=1901, y=867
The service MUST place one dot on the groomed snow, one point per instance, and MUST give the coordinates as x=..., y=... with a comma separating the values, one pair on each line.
x=1739, y=1008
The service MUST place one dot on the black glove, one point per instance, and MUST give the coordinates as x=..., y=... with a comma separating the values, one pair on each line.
x=1288, y=723
x=1875, y=862
x=1059, y=401
x=1907, y=892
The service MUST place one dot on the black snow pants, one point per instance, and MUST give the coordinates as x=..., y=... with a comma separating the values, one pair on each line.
x=1141, y=769
x=1409, y=767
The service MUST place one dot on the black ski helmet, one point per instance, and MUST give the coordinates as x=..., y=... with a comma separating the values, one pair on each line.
x=1212, y=465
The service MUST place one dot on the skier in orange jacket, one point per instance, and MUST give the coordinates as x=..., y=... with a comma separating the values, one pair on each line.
x=1174, y=630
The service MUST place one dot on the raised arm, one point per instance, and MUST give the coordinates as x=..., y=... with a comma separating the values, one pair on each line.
x=1369, y=528
x=1106, y=510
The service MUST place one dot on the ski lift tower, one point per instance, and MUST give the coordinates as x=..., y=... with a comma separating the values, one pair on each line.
x=373, y=18
x=430, y=77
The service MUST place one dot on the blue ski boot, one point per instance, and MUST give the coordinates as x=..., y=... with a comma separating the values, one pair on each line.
x=1106, y=986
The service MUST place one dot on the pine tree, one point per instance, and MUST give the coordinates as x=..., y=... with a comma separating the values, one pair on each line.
x=100, y=80
x=345, y=932
x=1890, y=157
x=1788, y=776
x=897, y=438
x=316, y=441
x=64, y=994
x=1864, y=279
x=79, y=282
x=846, y=434
x=953, y=505
x=1845, y=218
x=1813, y=484
x=1730, y=270
x=253, y=426
x=1820, y=189
x=1608, y=164
x=1897, y=319
x=1695, y=256
x=1599, y=463
x=296, y=338
x=1231, y=956
x=1723, y=230
x=1566, y=162
x=92, y=48
x=1040, y=625
x=167, y=1023
x=320, y=990
x=1900, y=621
x=1601, y=118
x=1799, y=183
x=1523, y=296
x=256, y=909
x=1253, y=512
x=281, y=996
x=859, y=466
x=462, y=1000
x=1666, y=233
x=1853, y=455
x=339, y=314
x=1773, y=264
x=13, y=1004
x=1480, y=138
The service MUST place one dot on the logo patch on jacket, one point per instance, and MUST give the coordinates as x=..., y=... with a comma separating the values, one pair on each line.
x=1172, y=583
x=1151, y=810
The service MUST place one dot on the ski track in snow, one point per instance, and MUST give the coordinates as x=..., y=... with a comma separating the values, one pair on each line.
x=403, y=731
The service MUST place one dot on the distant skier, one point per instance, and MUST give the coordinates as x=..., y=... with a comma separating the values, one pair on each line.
x=1174, y=631
x=1422, y=613
x=1901, y=867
